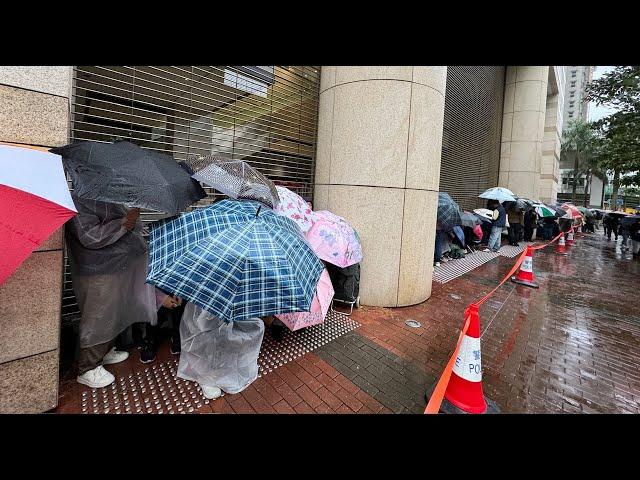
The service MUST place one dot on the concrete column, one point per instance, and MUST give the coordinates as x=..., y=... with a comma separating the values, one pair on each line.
x=550, y=169
x=523, y=122
x=34, y=113
x=378, y=166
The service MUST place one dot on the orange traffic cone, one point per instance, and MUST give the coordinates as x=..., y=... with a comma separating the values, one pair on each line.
x=570, y=237
x=525, y=273
x=561, y=249
x=464, y=390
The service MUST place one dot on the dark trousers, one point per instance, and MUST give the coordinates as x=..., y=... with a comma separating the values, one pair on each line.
x=546, y=231
x=528, y=233
x=91, y=357
x=486, y=233
x=152, y=336
x=437, y=251
x=608, y=230
x=514, y=233
x=625, y=235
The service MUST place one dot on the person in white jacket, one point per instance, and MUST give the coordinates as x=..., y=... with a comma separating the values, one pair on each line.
x=108, y=257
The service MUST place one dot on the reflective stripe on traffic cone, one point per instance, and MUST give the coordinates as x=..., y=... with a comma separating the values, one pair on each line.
x=561, y=249
x=465, y=386
x=570, y=237
x=525, y=273
x=464, y=389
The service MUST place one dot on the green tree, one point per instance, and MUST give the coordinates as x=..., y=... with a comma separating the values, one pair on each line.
x=579, y=143
x=619, y=150
x=619, y=144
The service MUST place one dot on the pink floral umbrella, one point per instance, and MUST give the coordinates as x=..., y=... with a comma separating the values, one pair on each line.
x=332, y=239
x=293, y=206
x=319, y=307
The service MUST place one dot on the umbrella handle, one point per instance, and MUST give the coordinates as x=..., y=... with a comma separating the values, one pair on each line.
x=258, y=211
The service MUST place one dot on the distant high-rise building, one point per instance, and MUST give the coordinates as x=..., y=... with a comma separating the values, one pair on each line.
x=575, y=105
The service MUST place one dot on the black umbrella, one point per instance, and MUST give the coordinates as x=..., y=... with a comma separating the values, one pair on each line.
x=630, y=220
x=517, y=206
x=448, y=212
x=126, y=174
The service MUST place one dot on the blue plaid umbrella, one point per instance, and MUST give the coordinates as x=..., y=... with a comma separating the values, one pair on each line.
x=234, y=260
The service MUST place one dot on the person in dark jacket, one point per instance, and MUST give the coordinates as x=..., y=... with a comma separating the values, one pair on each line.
x=635, y=238
x=623, y=230
x=515, y=218
x=499, y=222
x=530, y=220
x=610, y=226
x=548, y=226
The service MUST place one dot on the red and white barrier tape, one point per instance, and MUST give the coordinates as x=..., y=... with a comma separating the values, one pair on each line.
x=441, y=387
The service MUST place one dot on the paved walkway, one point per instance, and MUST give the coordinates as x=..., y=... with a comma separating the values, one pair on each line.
x=571, y=346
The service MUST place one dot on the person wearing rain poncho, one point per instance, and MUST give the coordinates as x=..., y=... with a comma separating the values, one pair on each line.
x=108, y=257
x=219, y=355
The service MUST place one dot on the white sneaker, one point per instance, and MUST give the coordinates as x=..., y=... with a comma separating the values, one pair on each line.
x=437, y=264
x=211, y=392
x=114, y=356
x=96, y=378
x=486, y=250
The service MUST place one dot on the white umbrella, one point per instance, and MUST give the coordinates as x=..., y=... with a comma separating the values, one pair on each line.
x=500, y=194
x=484, y=213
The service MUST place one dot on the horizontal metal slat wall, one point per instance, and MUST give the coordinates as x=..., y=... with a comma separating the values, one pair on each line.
x=472, y=132
x=267, y=116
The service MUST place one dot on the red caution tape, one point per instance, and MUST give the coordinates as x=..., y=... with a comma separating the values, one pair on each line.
x=441, y=387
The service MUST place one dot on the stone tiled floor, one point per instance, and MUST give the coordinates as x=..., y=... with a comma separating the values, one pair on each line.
x=571, y=346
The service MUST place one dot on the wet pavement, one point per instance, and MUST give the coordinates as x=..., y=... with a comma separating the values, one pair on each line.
x=570, y=346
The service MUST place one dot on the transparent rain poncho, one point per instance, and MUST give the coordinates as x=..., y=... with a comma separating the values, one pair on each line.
x=219, y=354
x=109, y=269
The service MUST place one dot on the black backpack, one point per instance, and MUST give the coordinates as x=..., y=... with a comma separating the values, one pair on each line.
x=345, y=281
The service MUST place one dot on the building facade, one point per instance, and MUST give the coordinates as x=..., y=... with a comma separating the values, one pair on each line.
x=575, y=104
x=373, y=144
x=576, y=107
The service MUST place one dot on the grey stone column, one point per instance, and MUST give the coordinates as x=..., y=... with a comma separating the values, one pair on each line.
x=378, y=166
x=34, y=113
x=523, y=121
x=550, y=168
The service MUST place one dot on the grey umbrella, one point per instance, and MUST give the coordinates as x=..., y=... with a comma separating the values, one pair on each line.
x=126, y=174
x=234, y=178
x=468, y=219
x=448, y=212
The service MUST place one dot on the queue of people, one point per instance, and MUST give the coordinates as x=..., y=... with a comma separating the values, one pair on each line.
x=618, y=224
x=523, y=220
x=219, y=276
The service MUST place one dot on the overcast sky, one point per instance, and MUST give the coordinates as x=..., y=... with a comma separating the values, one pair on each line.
x=596, y=112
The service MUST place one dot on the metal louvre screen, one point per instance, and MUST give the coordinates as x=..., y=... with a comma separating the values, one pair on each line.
x=472, y=132
x=265, y=115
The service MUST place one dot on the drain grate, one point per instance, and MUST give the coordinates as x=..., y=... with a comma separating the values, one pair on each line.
x=158, y=389
x=412, y=323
